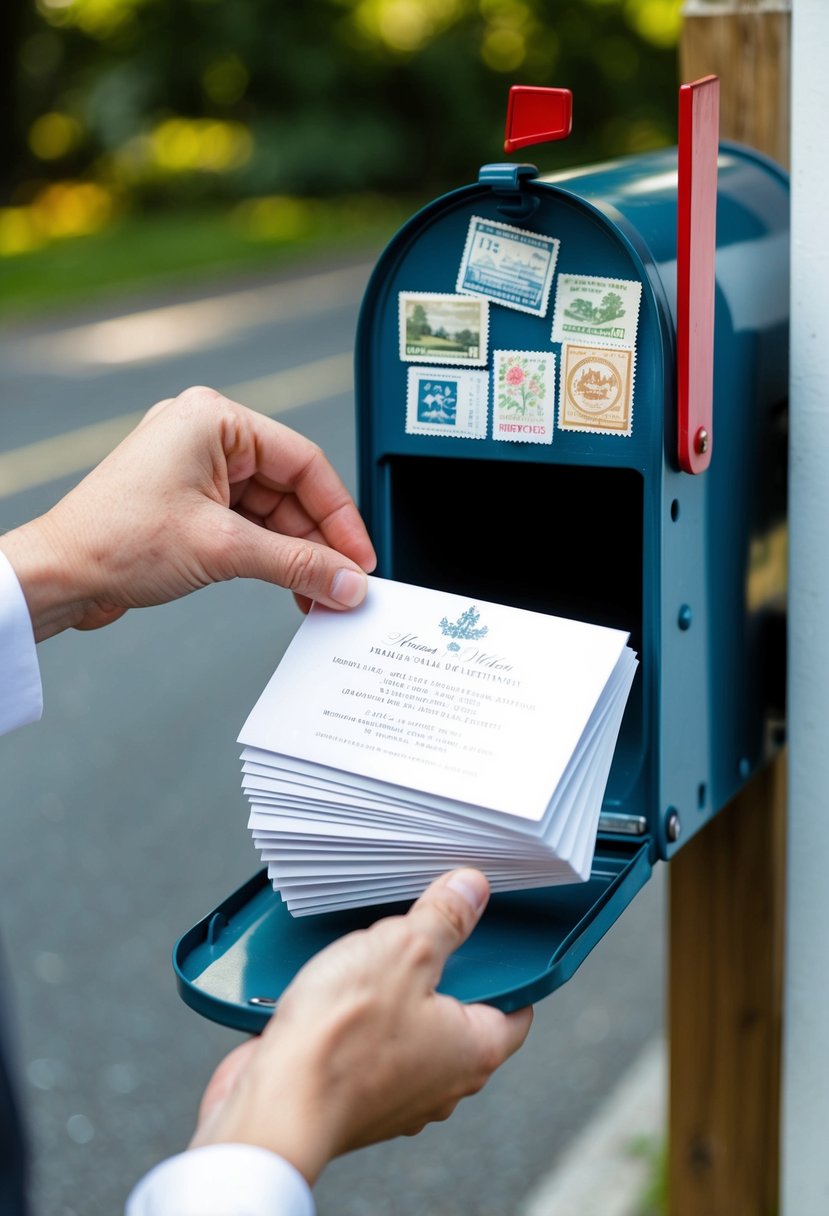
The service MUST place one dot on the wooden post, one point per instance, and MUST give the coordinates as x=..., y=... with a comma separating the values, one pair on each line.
x=747, y=44
x=726, y=886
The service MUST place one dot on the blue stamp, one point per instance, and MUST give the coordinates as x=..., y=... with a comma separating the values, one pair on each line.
x=437, y=401
x=508, y=265
x=447, y=403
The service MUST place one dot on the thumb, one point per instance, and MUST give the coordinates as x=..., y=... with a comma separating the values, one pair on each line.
x=225, y=1077
x=309, y=569
x=449, y=909
x=503, y=1033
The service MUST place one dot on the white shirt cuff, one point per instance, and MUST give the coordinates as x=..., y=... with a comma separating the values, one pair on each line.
x=222, y=1180
x=21, y=693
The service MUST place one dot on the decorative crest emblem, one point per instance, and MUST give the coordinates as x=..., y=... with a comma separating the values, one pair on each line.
x=463, y=628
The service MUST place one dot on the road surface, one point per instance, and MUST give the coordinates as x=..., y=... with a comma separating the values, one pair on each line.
x=123, y=819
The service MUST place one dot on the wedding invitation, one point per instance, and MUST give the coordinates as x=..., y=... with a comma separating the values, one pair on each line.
x=426, y=730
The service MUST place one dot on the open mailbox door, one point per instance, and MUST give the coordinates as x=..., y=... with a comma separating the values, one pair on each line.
x=233, y=965
x=646, y=492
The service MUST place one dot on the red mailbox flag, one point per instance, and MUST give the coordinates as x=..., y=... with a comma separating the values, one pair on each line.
x=537, y=116
x=699, y=133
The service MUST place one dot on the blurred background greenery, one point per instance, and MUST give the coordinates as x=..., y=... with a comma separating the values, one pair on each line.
x=151, y=138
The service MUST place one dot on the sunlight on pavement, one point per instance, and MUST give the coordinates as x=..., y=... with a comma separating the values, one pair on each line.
x=76, y=451
x=173, y=329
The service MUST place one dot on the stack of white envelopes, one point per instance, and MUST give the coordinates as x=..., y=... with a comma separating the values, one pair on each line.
x=423, y=731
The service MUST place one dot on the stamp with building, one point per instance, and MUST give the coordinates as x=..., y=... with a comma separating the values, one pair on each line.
x=596, y=389
x=508, y=265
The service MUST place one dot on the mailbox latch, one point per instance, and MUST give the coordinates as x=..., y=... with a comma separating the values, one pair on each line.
x=508, y=182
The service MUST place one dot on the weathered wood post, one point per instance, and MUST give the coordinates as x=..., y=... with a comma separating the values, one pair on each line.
x=726, y=886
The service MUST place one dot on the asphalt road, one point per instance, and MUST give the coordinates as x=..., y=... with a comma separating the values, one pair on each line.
x=123, y=820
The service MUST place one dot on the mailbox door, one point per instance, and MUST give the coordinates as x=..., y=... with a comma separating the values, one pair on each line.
x=235, y=963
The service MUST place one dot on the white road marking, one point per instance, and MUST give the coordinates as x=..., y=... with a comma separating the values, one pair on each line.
x=77, y=451
x=156, y=334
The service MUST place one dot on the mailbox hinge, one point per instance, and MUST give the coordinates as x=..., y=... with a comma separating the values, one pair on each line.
x=507, y=181
x=627, y=825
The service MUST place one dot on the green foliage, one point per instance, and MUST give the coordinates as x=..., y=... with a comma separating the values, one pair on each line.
x=322, y=98
x=182, y=249
x=609, y=309
x=654, y=1200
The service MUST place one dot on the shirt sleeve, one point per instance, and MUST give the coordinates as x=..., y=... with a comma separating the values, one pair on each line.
x=222, y=1180
x=21, y=694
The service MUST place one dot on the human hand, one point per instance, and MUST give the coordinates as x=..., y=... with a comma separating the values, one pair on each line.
x=361, y=1048
x=151, y=523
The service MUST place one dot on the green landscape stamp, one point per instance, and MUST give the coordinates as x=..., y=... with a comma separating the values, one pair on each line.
x=443, y=328
x=605, y=311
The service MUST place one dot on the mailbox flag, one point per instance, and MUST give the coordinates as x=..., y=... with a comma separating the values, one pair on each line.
x=537, y=115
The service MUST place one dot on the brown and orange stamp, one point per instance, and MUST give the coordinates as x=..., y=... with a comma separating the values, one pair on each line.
x=596, y=389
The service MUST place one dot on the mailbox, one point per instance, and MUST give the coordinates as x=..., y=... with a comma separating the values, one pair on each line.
x=571, y=397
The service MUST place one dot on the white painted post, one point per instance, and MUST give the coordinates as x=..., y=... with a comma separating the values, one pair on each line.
x=805, y=1101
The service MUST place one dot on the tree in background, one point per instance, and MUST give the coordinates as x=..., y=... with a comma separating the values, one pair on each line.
x=169, y=101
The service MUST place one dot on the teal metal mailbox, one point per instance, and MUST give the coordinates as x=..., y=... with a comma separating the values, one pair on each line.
x=571, y=396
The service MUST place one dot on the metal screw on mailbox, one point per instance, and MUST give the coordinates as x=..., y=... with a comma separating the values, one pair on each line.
x=673, y=827
x=702, y=440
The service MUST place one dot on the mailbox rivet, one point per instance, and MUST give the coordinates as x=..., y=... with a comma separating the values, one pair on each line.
x=702, y=440
x=673, y=827
x=684, y=617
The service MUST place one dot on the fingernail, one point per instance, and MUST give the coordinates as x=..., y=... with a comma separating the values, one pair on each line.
x=472, y=886
x=349, y=588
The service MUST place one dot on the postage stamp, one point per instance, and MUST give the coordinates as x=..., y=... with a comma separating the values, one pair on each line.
x=441, y=402
x=523, y=395
x=605, y=311
x=508, y=265
x=443, y=328
x=596, y=390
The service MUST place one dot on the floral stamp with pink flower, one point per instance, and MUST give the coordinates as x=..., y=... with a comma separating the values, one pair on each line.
x=523, y=395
